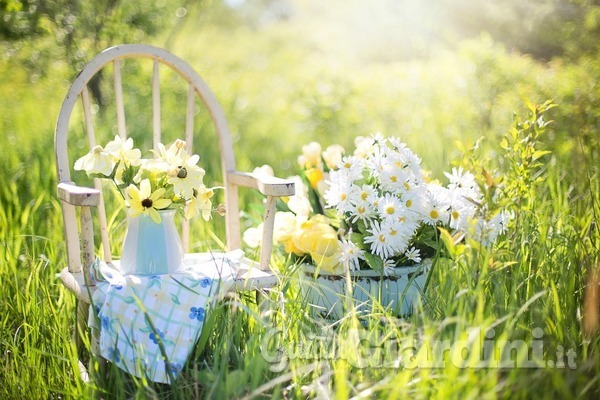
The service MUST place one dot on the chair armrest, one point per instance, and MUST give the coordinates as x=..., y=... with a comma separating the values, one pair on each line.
x=267, y=185
x=78, y=195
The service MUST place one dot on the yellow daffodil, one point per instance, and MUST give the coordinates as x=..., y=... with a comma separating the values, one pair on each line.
x=144, y=201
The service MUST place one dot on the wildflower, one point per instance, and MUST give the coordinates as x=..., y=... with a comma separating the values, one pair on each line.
x=390, y=207
x=464, y=183
x=378, y=240
x=413, y=254
x=143, y=201
x=200, y=203
x=123, y=151
x=97, y=161
x=351, y=254
x=435, y=206
x=341, y=193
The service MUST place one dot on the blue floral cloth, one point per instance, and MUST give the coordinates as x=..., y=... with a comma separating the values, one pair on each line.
x=149, y=324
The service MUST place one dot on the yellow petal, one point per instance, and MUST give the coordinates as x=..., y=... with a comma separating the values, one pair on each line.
x=161, y=203
x=157, y=194
x=145, y=189
x=154, y=215
x=134, y=194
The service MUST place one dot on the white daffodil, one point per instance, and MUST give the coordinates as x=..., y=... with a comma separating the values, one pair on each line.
x=97, y=161
x=144, y=201
x=185, y=179
x=176, y=155
x=123, y=151
x=200, y=203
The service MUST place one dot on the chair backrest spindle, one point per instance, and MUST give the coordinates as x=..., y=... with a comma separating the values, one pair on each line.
x=155, y=106
x=89, y=127
x=121, y=127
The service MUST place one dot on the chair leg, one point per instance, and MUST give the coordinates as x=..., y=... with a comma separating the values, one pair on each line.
x=95, y=344
x=81, y=328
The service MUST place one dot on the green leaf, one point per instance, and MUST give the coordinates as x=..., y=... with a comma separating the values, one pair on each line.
x=539, y=153
x=448, y=241
x=175, y=299
x=375, y=262
x=358, y=239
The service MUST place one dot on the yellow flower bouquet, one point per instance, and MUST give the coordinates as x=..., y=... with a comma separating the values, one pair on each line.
x=153, y=189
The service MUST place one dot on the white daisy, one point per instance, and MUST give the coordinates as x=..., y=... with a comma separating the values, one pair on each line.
x=351, y=254
x=363, y=211
x=352, y=167
x=379, y=240
x=390, y=207
x=341, y=192
x=413, y=254
x=435, y=207
x=464, y=183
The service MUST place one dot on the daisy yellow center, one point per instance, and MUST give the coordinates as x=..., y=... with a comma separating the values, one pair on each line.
x=389, y=209
x=382, y=238
x=394, y=179
x=347, y=165
x=343, y=196
x=402, y=219
x=434, y=214
x=361, y=209
x=408, y=203
x=364, y=196
x=406, y=186
x=147, y=203
x=393, y=232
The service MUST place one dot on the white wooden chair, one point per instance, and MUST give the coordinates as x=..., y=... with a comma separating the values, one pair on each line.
x=78, y=202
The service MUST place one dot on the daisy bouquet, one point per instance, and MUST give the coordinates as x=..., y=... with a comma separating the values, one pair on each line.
x=377, y=209
x=170, y=180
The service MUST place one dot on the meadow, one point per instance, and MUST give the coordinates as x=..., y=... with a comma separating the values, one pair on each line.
x=536, y=288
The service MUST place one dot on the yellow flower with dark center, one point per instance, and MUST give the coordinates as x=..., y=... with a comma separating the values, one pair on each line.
x=144, y=201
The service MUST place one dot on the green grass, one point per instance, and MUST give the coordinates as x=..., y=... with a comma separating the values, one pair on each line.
x=535, y=280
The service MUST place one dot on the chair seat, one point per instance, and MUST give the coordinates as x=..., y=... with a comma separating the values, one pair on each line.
x=249, y=277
